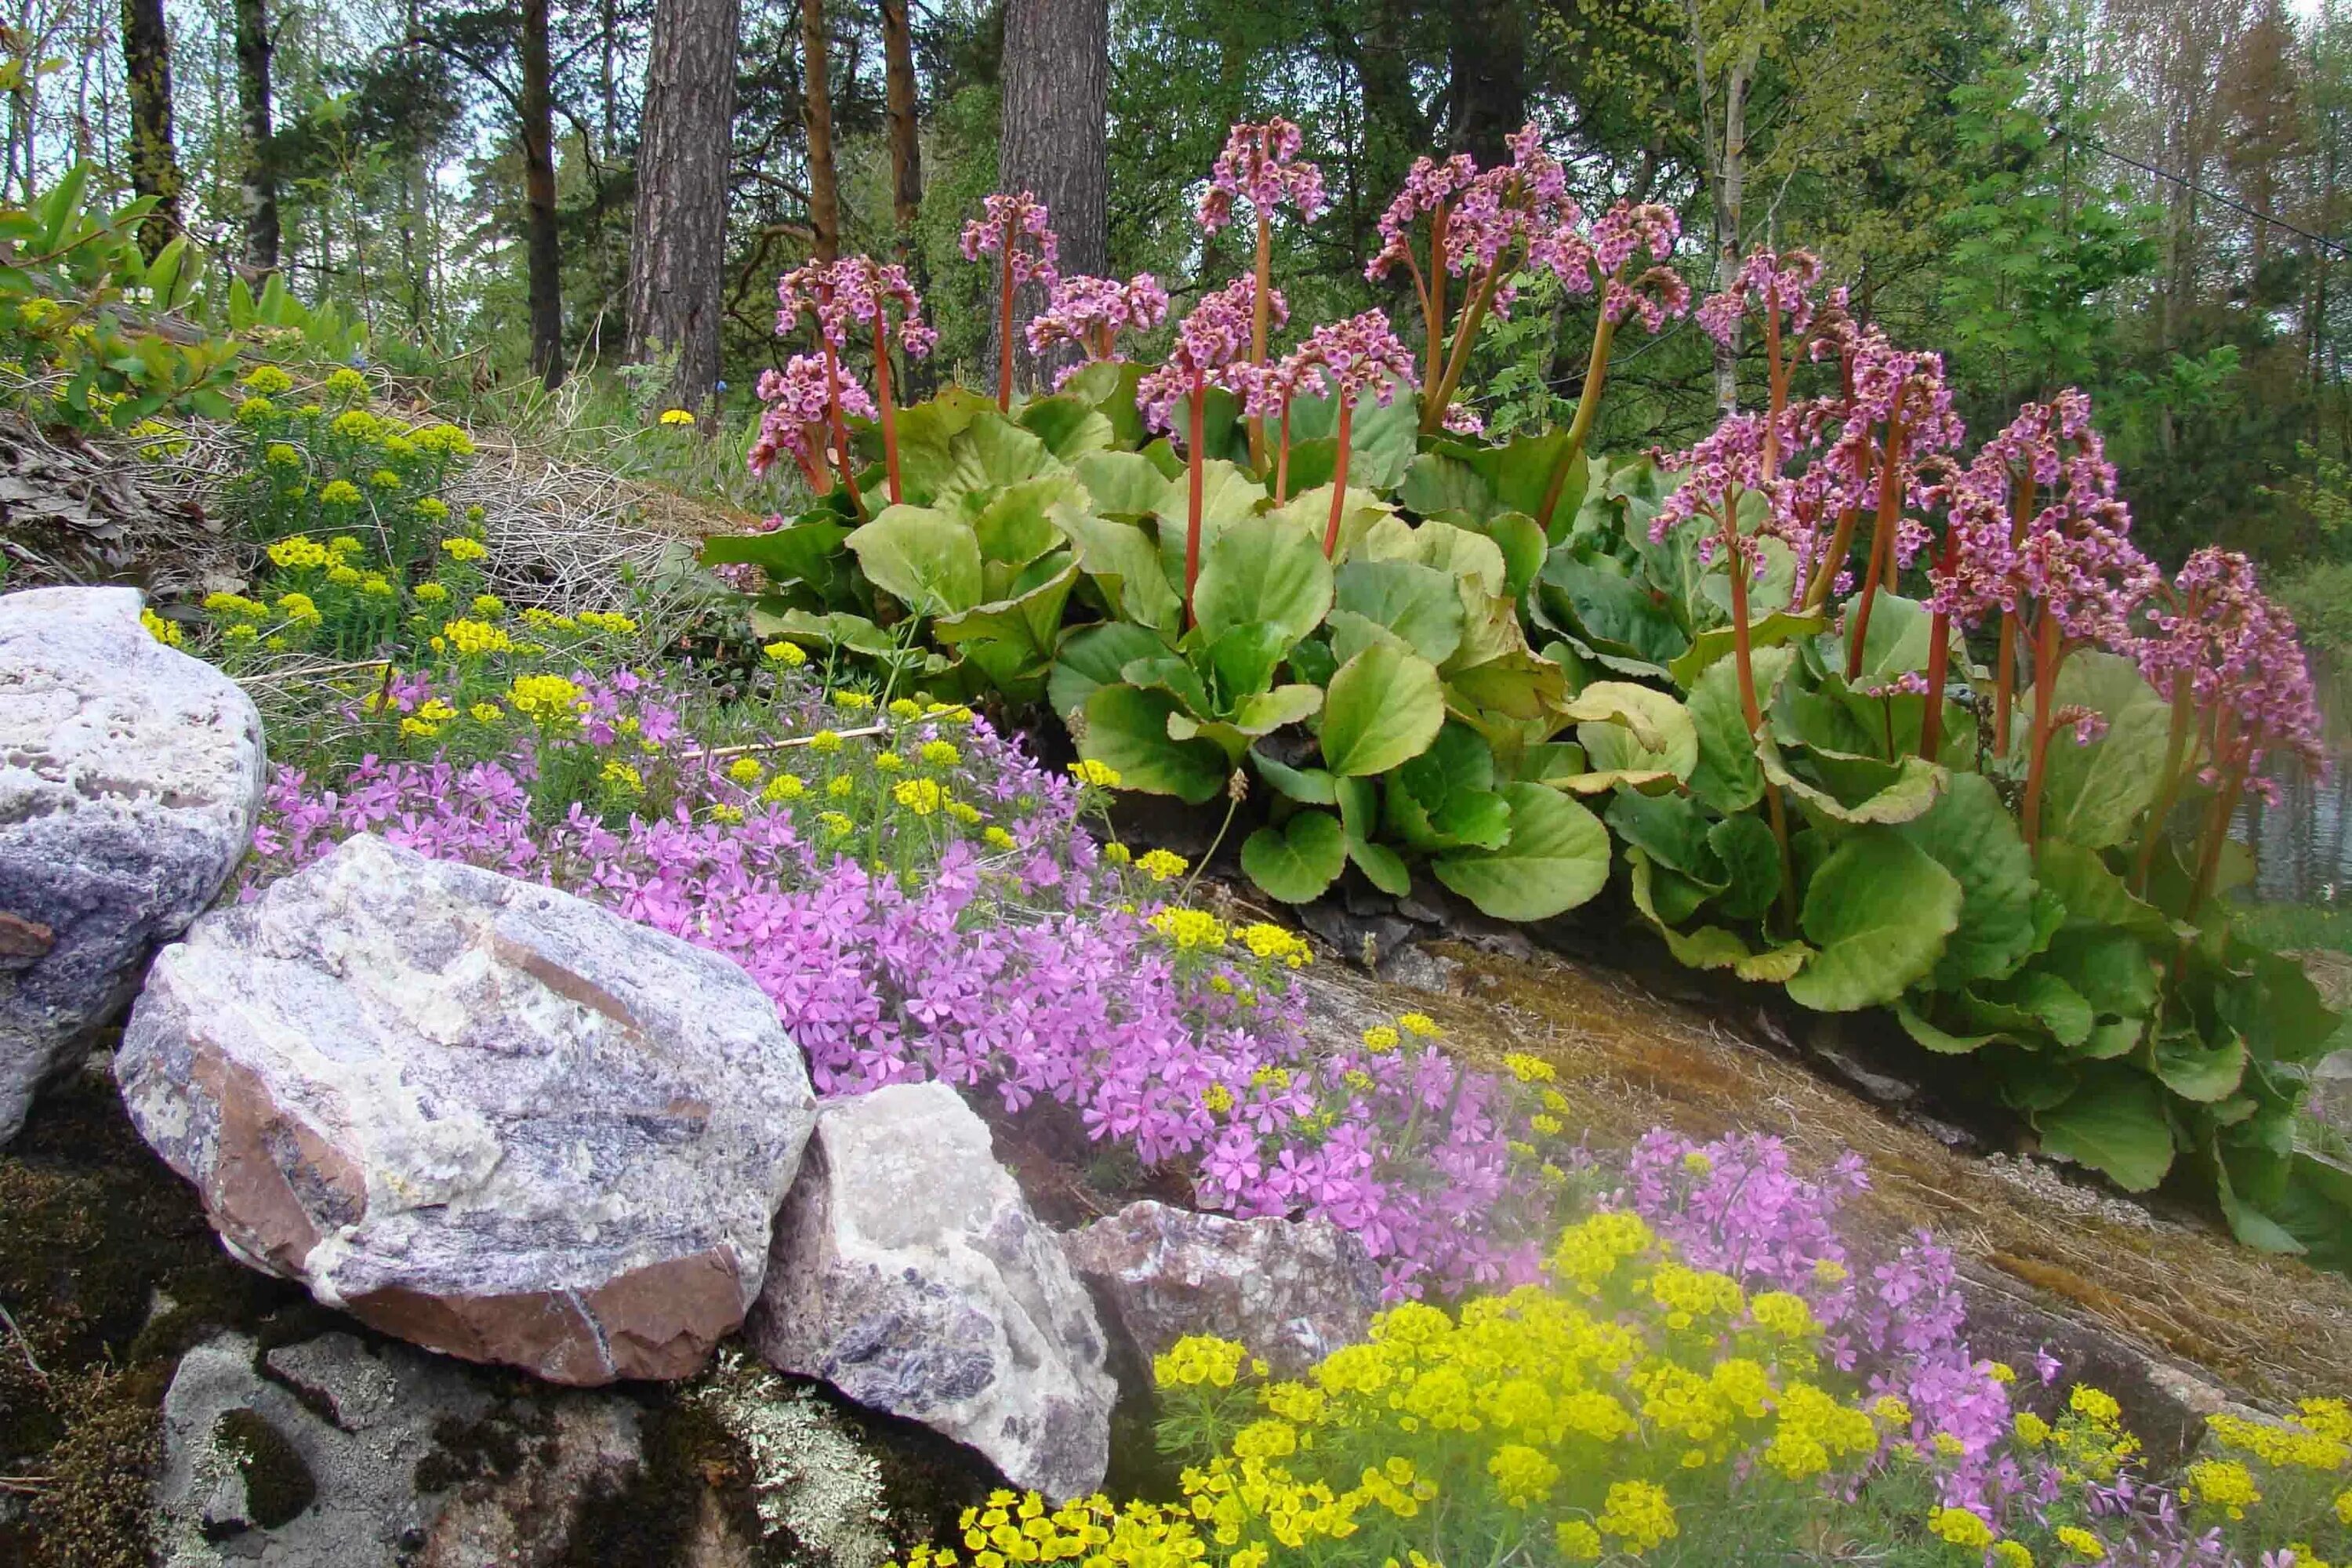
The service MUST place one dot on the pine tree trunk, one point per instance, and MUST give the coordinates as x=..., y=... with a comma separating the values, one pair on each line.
x=678, y=246
x=1055, y=139
x=154, y=170
x=816, y=110
x=905, y=144
x=257, y=190
x=543, y=255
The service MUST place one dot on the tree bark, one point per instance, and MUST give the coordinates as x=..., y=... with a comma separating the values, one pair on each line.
x=816, y=110
x=257, y=190
x=154, y=169
x=1055, y=139
x=905, y=144
x=541, y=243
x=678, y=246
x=1487, y=93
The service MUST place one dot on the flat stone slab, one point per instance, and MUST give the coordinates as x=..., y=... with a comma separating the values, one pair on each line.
x=131, y=778
x=476, y=1114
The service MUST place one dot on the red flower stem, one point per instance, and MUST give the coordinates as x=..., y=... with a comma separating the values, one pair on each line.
x=1474, y=316
x=1587, y=402
x=2217, y=832
x=2004, y=678
x=1433, y=309
x=1193, y=506
x=2167, y=792
x=1776, y=376
x=1281, y=456
x=882, y=401
x=1339, y=481
x=1881, y=538
x=1005, y=331
x=1261, y=314
x=840, y=427
x=1939, y=656
x=1750, y=707
x=2049, y=652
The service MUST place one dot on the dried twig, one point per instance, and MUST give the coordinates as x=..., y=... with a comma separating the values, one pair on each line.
x=23, y=1344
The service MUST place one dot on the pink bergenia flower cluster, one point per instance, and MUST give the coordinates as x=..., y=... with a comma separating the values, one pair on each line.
x=1260, y=165
x=1016, y=228
x=2238, y=653
x=1766, y=280
x=1431, y=189
x=1212, y=349
x=1619, y=238
x=1013, y=973
x=1346, y=360
x=866, y=290
x=1090, y=313
x=797, y=420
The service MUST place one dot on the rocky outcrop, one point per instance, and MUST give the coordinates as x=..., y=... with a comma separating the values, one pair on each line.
x=332, y=1454
x=909, y=1273
x=130, y=777
x=479, y=1114
x=1292, y=1290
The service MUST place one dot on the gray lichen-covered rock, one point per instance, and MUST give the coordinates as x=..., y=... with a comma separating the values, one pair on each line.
x=476, y=1114
x=1292, y=1290
x=908, y=1272
x=332, y=1454
x=130, y=777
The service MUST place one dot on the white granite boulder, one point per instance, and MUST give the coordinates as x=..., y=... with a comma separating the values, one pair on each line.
x=909, y=1273
x=479, y=1114
x=130, y=777
x=1292, y=1290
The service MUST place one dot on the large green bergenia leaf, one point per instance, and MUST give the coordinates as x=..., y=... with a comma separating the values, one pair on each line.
x=1070, y=425
x=2092, y=795
x=1382, y=441
x=1295, y=861
x=1970, y=834
x=1912, y=788
x=1093, y=657
x=927, y=462
x=1629, y=728
x=1124, y=562
x=1879, y=909
x=1228, y=494
x=2114, y=1123
x=1384, y=707
x=1121, y=484
x=1727, y=775
x=926, y=559
x=1556, y=858
x=1127, y=727
x=1417, y=603
x=1031, y=624
x=1262, y=569
x=1012, y=525
x=2092, y=892
x=1712, y=947
x=1614, y=614
x=1718, y=643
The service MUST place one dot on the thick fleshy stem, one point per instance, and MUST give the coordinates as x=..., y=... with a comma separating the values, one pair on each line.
x=1004, y=328
x=1881, y=538
x=840, y=425
x=1743, y=655
x=1193, y=418
x=1261, y=308
x=2217, y=831
x=1776, y=380
x=2049, y=650
x=1939, y=656
x=1339, y=481
x=1281, y=456
x=2168, y=789
x=1587, y=402
x=2004, y=678
x=1474, y=316
x=882, y=403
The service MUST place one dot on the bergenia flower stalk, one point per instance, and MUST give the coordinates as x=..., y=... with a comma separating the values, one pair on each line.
x=1090, y=312
x=1616, y=244
x=1430, y=190
x=816, y=289
x=801, y=418
x=867, y=290
x=1260, y=165
x=1211, y=346
x=1349, y=359
x=1728, y=463
x=1014, y=230
x=1899, y=397
x=2033, y=448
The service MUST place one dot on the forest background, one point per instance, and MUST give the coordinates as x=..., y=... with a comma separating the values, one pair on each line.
x=2146, y=198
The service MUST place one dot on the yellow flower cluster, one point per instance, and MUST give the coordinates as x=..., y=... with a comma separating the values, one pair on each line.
x=2081, y=1543
x=462, y=549
x=549, y=698
x=162, y=630
x=921, y=796
x=1087, y=770
x=1190, y=929
x=472, y=637
x=267, y=380
x=2223, y=1486
x=1960, y=1527
x=1197, y=1359
x=791, y=654
x=2307, y=1444
x=339, y=492
x=1161, y=864
x=297, y=554
x=1273, y=943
